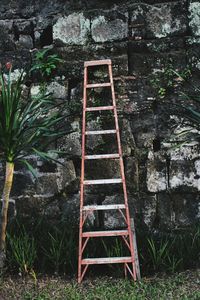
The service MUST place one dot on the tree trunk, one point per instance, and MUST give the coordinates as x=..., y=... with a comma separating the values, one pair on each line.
x=4, y=211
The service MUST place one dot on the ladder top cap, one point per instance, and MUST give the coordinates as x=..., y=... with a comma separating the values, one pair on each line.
x=97, y=62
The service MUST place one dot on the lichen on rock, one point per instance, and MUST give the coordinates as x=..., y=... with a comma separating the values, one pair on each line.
x=194, y=9
x=105, y=30
x=72, y=29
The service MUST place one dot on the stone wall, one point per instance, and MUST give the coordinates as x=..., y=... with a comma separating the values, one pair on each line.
x=140, y=37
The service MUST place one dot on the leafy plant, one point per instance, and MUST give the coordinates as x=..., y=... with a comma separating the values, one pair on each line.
x=71, y=250
x=173, y=263
x=22, y=252
x=45, y=63
x=191, y=115
x=54, y=252
x=187, y=247
x=196, y=238
x=52, y=240
x=114, y=250
x=27, y=125
x=166, y=80
x=162, y=81
x=158, y=253
x=60, y=249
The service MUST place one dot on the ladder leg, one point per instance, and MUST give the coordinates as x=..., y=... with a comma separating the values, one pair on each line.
x=82, y=179
x=79, y=274
x=125, y=271
x=82, y=273
x=122, y=171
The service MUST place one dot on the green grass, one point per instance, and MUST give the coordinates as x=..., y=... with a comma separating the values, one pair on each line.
x=183, y=286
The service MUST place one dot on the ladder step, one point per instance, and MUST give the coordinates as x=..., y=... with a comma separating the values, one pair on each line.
x=103, y=207
x=105, y=233
x=97, y=62
x=102, y=181
x=97, y=85
x=100, y=132
x=100, y=156
x=99, y=108
x=106, y=260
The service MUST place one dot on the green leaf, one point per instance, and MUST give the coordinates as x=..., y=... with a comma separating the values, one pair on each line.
x=30, y=168
x=47, y=156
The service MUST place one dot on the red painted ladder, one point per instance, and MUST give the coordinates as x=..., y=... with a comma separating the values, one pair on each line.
x=130, y=262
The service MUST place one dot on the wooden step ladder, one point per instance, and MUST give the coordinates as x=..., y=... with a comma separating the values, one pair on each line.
x=131, y=263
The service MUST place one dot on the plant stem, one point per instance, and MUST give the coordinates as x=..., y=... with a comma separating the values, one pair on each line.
x=6, y=195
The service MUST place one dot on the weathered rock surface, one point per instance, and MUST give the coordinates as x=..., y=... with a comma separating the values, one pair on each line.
x=72, y=30
x=158, y=21
x=143, y=39
x=109, y=27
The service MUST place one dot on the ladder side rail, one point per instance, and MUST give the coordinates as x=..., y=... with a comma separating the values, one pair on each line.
x=82, y=174
x=118, y=135
x=122, y=170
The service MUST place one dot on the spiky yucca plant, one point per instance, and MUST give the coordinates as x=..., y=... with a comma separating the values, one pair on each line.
x=27, y=125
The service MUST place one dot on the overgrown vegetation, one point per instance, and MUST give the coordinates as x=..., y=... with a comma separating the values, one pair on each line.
x=21, y=252
x=56, y=250
x=191, y=114
x=27, y=125
x=166, y=80
x=55, y=246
